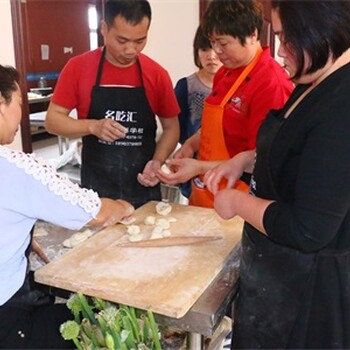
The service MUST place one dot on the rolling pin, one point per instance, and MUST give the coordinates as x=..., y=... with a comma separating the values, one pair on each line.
x=39, y=251
x=170, y=241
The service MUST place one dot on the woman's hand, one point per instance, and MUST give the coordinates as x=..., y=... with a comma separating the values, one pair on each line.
x=231, y=170
x=112, y=211
x=183, y=169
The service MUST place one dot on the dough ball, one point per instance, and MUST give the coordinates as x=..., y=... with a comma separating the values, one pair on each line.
x=157, y=230
x=66, y=243
x=75, y=239
x=172, y=219
x=156, y=235
x=163, y=208
x=135, y=238
x=88, y=233
x=80, y=236
x=165, y=169
x=163, y=223
x=150, y=220
x=166, y=233
x=128, y=221
x=134, y=229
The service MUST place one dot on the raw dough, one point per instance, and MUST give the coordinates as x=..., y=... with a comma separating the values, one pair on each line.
x=156, y=235
x=135, y=238
x=166, y=233
x=39, y=232
x=165, y=169
x=172, y=219
x=150, y=220
x=157, y=230
x=134, y=229
x=77, y=238
x=128, y=221
x=163, y=208
x=74, y=240
x=163, y=223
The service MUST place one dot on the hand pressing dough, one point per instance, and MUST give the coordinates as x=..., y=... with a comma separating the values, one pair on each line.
x=165, y=169
x=134, y=229
x=150, y=220
x=128, y=221
x=163, y=208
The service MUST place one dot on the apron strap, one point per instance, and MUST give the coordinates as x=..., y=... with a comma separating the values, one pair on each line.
x=242, y=76
x=100, y=67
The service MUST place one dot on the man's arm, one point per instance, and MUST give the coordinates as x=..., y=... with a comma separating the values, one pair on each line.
x=168, y=139
x=59, y=122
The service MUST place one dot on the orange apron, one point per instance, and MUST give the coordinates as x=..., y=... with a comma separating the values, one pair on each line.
x=212, y=141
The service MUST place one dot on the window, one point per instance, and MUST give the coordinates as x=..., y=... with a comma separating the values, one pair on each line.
x=92, y=13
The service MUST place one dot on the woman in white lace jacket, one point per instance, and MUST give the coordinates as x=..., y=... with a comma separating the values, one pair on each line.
x=31, y=190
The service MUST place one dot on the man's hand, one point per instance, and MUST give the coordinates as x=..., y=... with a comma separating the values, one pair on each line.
x=149, y=178
x=108, y=129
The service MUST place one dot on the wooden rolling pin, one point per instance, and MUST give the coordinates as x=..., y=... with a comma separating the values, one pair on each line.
x=170, y=241
x=39, y=251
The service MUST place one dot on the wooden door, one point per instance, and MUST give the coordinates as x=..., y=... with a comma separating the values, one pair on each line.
x=60, y=25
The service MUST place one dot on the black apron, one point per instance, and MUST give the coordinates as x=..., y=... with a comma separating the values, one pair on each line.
x=287, y=298
x=111, y=168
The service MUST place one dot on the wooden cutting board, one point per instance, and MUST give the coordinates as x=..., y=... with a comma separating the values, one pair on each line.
x=167, y=280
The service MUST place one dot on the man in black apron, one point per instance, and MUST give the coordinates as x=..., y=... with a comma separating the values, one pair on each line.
x=120, y=156
x=106, y=166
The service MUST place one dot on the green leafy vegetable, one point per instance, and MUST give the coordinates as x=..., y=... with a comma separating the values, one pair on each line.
x=101, y=325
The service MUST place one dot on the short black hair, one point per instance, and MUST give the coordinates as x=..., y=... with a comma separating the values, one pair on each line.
x=238, y=18
x=319, y=28
x=200, y=41
x=132, y=10
x=9, y=80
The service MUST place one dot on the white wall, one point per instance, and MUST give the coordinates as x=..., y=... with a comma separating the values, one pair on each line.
x=7, y=54
x=174, y=23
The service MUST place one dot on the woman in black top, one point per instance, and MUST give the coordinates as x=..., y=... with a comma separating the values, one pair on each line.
x=294, y=288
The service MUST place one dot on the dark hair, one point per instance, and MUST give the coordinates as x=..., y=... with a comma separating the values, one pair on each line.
x=319, y=28
x=132, y=10
x=200, y=41
x=9, y=80
x=238, y=18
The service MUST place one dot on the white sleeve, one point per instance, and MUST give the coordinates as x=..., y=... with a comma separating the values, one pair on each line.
x=33, y=188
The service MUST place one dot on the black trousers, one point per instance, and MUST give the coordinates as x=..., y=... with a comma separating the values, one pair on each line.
x=38, y=328
x=31, y=320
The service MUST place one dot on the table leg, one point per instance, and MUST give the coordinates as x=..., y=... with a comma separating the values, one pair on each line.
x=195, y=341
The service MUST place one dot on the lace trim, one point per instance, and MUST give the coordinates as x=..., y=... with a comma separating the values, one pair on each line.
x=56, y=183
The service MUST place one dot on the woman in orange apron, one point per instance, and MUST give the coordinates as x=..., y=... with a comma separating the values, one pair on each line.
x=246, y=87
x=212, y=142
